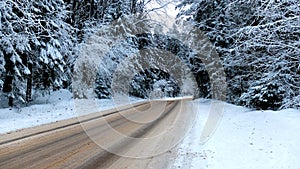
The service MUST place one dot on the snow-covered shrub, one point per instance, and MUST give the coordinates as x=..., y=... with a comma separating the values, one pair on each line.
x=264, y=94
x=154, y=80
x=102, y=88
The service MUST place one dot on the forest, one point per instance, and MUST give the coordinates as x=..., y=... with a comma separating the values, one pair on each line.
x=258, y=43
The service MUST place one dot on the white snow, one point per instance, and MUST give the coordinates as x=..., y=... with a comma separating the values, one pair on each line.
x=55, y=107
x=244, y=139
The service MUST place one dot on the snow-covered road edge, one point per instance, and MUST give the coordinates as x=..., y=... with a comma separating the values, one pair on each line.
x=244, y=139
x=58, y=106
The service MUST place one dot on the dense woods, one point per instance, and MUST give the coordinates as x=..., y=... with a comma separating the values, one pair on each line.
x=258, y=43
x=39, y=41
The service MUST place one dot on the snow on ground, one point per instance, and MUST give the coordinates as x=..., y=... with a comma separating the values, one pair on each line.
x=51, y=108
x=244, y=139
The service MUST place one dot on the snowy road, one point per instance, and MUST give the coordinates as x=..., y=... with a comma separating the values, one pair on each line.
x=244, y=139
x=71, y=144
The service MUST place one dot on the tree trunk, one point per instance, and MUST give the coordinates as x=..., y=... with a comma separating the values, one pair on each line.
x=7, y=88
x=8, y=82
x=29, y=84
x=10, y=101
x=92, y=9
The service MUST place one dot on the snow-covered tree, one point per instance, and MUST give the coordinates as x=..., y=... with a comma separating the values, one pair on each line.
x=143, y=53
x=89, y=15
x=36, y=45
x=258, y=42
x=2, y=70
x=38, y=42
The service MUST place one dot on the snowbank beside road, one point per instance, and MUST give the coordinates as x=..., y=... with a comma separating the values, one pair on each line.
x=244, y=139
x=52, y=108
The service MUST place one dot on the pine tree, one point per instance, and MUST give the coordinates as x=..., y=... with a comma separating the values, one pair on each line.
x=256, y=40
x=36, y=44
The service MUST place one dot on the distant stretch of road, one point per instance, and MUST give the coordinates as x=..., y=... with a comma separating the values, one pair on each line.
x=89, y=141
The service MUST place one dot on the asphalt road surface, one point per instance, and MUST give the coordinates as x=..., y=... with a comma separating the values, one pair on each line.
x=143, y=135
